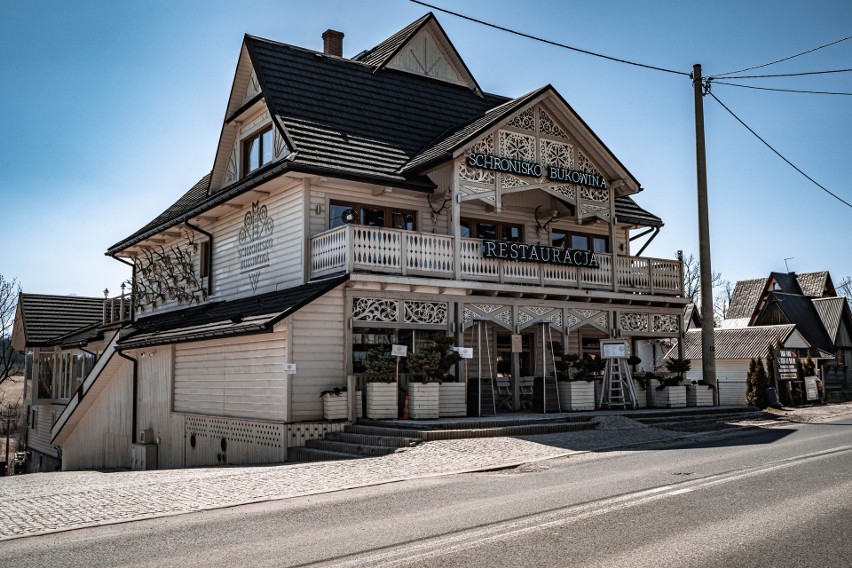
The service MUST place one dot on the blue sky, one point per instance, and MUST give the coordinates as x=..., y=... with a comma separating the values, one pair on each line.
x=113, y=109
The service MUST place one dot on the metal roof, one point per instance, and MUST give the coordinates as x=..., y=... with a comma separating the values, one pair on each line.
x=738, y=343
x=745, y=297
x=831, y=312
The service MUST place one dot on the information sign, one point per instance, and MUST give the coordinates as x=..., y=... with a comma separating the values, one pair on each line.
x=399, y=350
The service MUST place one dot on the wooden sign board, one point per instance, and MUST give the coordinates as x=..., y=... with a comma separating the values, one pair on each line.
x=785, y=365
x=517, y=344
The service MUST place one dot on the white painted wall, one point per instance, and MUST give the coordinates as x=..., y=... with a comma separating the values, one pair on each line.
x=318, y=333
x=240, y=377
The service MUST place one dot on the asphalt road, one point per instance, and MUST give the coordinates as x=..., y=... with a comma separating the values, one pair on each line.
x=762, y=497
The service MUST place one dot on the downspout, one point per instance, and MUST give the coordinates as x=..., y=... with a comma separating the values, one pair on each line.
x=132, y=265
x=209, y=255
x=134, y=431
x=654, y=236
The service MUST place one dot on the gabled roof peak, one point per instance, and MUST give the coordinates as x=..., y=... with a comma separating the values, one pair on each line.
x=422, y=48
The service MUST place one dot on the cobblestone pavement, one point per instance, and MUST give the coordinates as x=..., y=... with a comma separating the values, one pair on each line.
x=51, y=502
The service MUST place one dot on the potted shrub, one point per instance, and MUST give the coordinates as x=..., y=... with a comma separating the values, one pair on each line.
x=575, y=382
x=428, y=381
x=380, y=372
x=334, y=404
x=670, y=393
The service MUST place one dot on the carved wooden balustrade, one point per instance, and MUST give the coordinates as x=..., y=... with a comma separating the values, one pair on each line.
x=358, y=248
x=116, y=310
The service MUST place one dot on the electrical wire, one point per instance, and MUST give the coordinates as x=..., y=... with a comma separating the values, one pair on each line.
x=791, y=164
x=780, y=90
x=829, y=44
x=787, y=74
x=547, y=41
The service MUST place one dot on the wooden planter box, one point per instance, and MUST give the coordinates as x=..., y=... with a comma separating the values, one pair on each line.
x=699, y=395
x=576, y=395
x=641, y=395
x=668, y=397
x=423, y=400
x=451, y=399
x=336, y=407
x=381, y=401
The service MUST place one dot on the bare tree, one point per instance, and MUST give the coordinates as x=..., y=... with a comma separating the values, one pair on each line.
x=844, y=288
x=9, y=358
x=692, y=279
x=722, y=299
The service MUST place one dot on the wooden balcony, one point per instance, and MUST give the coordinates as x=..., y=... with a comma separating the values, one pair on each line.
x=358, y=248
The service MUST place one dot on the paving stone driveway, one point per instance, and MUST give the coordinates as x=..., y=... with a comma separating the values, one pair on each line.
x=50, y=502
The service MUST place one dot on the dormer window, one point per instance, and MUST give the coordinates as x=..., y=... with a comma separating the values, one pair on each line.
x=258, y=150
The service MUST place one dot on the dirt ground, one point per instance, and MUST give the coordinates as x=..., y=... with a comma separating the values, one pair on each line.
x=816, y=413
x=11, y=392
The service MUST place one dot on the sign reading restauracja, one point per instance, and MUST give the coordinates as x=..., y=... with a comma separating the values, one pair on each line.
x=507, y=250
x=520, y=167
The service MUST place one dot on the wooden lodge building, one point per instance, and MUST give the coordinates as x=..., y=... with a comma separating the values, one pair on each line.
x=352, y=204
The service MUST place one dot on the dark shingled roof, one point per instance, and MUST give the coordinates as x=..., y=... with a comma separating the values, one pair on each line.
x=628, y=211
x=786, y=282
x=346, y=120
x=48, y=318
x=745, y=297
x=795, y=308
x=227, y=318
x=342, y=116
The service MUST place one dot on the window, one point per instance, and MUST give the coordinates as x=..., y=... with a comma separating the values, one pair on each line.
x=578, y=241
x=204, y=260
x=257, y=150
x=492, y=230
x=45, y=375
x=372, y=216
x=34, y=422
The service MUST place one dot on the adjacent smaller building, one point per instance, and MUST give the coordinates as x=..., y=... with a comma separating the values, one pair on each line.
x=62, y=337
x=801, y=312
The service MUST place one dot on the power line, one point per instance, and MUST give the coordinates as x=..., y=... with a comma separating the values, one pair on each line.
x=547, y=41
x=787, y=74
x=837, y=197
x=780, y=90
x=784, y=58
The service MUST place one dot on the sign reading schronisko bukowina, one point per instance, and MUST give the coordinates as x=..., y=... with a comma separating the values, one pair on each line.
x=533, y=169
x=539, y=253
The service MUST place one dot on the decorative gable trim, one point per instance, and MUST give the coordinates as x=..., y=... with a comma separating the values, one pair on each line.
x=428, y=51
x=538, y=135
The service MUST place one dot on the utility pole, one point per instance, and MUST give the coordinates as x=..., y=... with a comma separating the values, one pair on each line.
x=708, y=347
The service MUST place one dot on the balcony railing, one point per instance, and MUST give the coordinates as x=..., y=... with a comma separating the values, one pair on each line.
x=116, y=310
x=357, y=248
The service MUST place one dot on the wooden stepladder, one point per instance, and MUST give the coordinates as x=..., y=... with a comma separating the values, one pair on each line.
x=617, y=389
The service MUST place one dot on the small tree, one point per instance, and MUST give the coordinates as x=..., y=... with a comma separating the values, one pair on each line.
x=810, y=367
x=751, y=383
x=380, y=366
x=9, y=358
x=761, y=382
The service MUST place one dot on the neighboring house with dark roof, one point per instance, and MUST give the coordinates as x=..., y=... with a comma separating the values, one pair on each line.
x=353, y=204
x=61, y=337
x=810, y=302
x=735, y=348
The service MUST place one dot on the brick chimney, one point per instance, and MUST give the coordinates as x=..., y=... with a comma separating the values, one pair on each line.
x=332, y=43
